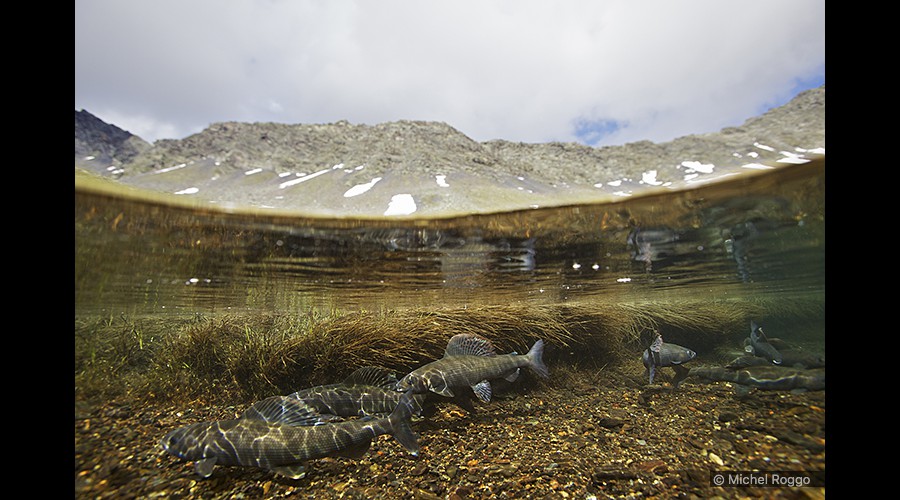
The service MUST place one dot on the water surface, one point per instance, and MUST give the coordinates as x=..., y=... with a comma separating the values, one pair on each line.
x=756, y=234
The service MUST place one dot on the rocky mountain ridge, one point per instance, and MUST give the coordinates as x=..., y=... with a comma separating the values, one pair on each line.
x=104, y=142
x=268, y=164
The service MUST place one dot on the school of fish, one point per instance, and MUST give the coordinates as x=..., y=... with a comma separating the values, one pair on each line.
x=282, y=433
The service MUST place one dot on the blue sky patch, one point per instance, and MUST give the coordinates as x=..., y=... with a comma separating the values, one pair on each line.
x=592, y=132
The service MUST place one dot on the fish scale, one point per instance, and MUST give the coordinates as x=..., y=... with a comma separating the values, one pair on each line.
x=367, y=391
x=275, y=436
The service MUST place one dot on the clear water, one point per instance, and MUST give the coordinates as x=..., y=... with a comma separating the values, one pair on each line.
x=747, y=236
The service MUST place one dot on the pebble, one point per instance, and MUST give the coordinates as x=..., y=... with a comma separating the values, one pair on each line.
x=610, y=422
x=425, y=495
x=461, y=492
x=727, y=416
x=699, y=476
x=655, y=466
x=573, y=457
x=509, y=471
x=612, y=472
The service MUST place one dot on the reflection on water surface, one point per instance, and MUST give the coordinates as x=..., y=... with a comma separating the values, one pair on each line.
x=755, y=234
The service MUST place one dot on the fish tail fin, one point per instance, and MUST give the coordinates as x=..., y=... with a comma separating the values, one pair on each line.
x=536, y=361
x=400, y=420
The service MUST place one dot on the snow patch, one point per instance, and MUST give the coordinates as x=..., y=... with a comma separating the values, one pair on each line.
x=310, y=176
x=696, y=166
x=361, y=188
x=650, y=178
x=401, y=204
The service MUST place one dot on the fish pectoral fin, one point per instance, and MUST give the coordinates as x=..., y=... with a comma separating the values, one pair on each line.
x=296, y=471
x=513, y=375
x=465, y=403
x=681, y=373
x=483, y=390
x=205, y=467
x=356, y=451
x=742, y=390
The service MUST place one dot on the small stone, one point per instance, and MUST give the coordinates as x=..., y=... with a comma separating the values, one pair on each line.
x=696, y=443
x=716, y=459
x=509, y=471
x=463, y=492
x=697, y=475
x=610, y=422
x=797, y=410
x=425, y=495
x=655, y=466
x=727, y=416
x=612, y=472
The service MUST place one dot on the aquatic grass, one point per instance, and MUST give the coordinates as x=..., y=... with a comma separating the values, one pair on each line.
x=249, y=356
x=680, y=322
x=111, y=349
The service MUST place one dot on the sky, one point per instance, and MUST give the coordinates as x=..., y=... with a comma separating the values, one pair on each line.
x=597, y=72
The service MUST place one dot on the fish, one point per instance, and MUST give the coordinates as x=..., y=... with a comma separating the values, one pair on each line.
x=760, y=345
x=661, y=354
x=765, y=377
x=281, y=434
x=471, y=361
x=368, y=391
x=800, y=358
x=746, y=361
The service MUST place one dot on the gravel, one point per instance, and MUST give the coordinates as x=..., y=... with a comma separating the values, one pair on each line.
x=595, y=435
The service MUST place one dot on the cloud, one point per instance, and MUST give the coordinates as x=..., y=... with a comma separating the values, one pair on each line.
x=529, y=71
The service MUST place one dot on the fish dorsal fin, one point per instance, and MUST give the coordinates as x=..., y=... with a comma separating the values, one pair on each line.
x=657, y=344
x=295, y=471
x=205, y=467
x=371, y=375
x=469, y=344
x=283, y=410
x=655, y=349
x=483, y=390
